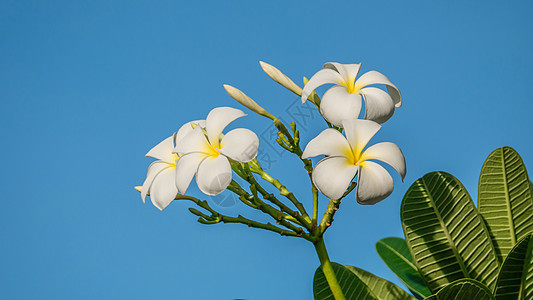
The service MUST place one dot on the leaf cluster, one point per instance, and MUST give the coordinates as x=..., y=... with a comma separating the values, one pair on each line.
x=453, y=249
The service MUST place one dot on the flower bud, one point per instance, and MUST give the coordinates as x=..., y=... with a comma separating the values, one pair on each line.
x=243, y=99
x=281, y=78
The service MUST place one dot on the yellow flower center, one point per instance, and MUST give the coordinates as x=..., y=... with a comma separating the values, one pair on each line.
x=353, y=158
x=212, y=151
x=351, y=87
x=175, y=157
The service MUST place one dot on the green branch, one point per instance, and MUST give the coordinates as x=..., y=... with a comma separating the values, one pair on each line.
x=217, y=217
x=254, y=167
x=333, y=206
x=277, y=215
x=327, y=268
x=315, y=205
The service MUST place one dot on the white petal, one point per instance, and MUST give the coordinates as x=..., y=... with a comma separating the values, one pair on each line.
x=321, y=77
x=359, y=132
x=218, y=119
x=195, y=141
x=389, y=153
x=329, y=142
x=155, y=168
x=163, y=150
x=214, y=175
x=374, y=183
x=333, y=175
x=188, y=128
x=347, y=71
x=374, y=77
x=240, y=144
x=337, y=104
x=379, y=104
x=186, y=169
x=164, y=189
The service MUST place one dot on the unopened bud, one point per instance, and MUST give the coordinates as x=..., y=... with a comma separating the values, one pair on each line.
x=243, y=99
x=281, y=78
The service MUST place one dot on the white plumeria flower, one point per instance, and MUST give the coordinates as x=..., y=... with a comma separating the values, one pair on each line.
x=344, y=99
x=205, y=153
x=345, y=158
x=161, y=178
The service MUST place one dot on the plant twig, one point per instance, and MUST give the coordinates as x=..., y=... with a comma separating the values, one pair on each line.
x=217, y=217
x=333, y=206
x=274, y=213
x=254, y=167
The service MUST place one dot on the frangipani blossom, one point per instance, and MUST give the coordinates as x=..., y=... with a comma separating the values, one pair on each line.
x=206, y=153
x=160, y=180
x=345, y=158
x=344, y=99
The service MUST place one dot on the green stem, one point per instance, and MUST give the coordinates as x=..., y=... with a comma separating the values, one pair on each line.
x=333, y=206
x=274, y=213
x=217, y=217
x=327, y=268
x=327, y=219
x=255, y=167
x=254, y=224
x=285, y=192
x=246, y=198
x=315, y=206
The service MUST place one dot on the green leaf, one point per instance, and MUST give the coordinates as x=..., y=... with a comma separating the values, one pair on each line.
x=464, y=289
x=505, y=199
x=382, y=289
x=445, y=234
x=352, y=287
x=515, y=280
x=395, y=253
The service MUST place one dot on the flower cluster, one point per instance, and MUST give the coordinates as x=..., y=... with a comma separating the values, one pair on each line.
x=345, y=158
x=199, y=149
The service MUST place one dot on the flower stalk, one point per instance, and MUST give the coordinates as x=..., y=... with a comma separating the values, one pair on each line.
x=314, y=191
x=256, y=168
x=280, y=217
x=217, y=217
x=245, y=172
x=333, y=206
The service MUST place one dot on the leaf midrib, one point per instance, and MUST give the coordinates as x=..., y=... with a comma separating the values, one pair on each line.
x=401, y=256
x=508, y=201
x=445, y=230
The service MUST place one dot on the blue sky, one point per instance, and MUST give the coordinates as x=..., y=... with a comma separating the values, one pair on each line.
x=88, y=88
